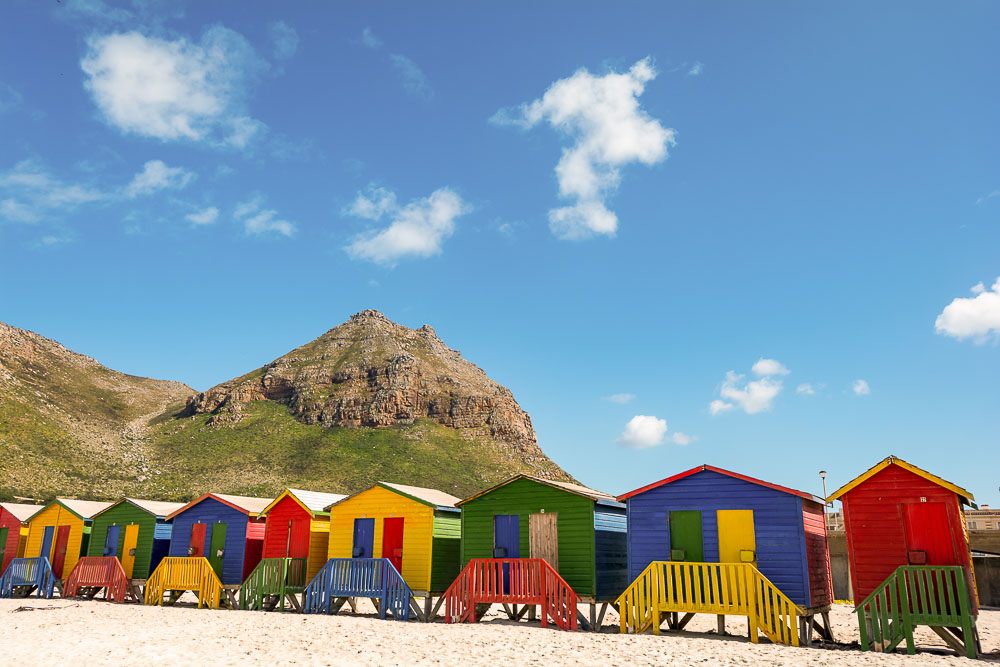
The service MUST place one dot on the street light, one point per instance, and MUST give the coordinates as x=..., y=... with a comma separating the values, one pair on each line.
x=822, y=476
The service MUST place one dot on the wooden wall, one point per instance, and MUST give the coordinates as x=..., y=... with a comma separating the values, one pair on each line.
x=611, y=551
x=9, y=547
x=446, y=556
x=55, y=515
x=211, y=511
x=124, y=514
x=817, y=554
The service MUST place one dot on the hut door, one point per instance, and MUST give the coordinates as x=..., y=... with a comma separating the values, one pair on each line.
x=62, y=544
x=128, y=549
x=929, y=539
x=217, y=551
x=543, y=538
x=364, y=538
x=506, y=542
x=737, y=541
x=298, y=538
x=685, y=536
x=3, y=547
x=197, y=546
x=392, y=541
x=111, y=541
x=46, y=551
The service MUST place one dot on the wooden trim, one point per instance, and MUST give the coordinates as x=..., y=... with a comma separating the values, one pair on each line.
x=894, y=460
x=721, y=471
x=213, y=497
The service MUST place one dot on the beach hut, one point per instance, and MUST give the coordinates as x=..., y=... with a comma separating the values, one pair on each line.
x=907, y=538
x=60, y=532
x=528, y=532
x=685, y=524
x=13, y=530
x=136, y=532
x=296, y=536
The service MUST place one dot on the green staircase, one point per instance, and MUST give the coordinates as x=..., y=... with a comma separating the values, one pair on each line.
x=935, y=596
x=272, y=582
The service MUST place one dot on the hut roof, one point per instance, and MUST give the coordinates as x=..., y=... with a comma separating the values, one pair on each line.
x=431, y=497
x=246, y=504
x=313, y=501
x=22, y=512
x=84, y=509
x=963, y=495
x=702, y=468
x=154, y=507
x=587, y=492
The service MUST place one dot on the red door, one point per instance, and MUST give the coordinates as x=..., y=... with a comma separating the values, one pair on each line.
x=62, y=539
x=197, y=546
x=392, y=542
x=929, y=536
x=298, y=538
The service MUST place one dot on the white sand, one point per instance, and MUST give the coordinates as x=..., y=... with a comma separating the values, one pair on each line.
x=102, y=633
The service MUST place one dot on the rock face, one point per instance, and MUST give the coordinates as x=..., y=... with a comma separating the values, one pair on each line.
x=372, y=372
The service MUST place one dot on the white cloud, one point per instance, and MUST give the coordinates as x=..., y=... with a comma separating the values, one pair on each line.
x=285, y=40
x=620, y=398
x=601, y=114
x=414, y=79
x=696, y=69
x=976, y=317
x=861, y=388
x=642, y=432
x=683, y=438
x=96, y=10
x=369, y=39
x=204, y=217
x=765, y=367
x=156, y=175
x=416, y=230
x=173, y=90
x=30, y=193
x=806, y=389
x=751, y=397
x=258, y=222
x=372, y=205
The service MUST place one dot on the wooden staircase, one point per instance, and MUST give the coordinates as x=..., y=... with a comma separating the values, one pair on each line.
x=174, y=575
x=736, y=589
x=341, y=580
x=272, y=582
x=511, y=581
x=25, y=576
x=931, y=595
x=94, y=573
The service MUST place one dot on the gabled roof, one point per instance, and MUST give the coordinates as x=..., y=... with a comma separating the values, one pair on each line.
x=21, y=511
x=248, y=505
x=702, y=468
x=964, y=495
x=429, y=497
x=586, y=492
x=311, y=501
x=83, y=509
x=157, y=508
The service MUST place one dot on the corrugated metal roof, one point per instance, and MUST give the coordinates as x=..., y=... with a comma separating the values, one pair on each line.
x=21, y=511
x=84, y=508
x=250, y=504
x=157, y=507
x=316, y=501
x=578, y=489
x=432, y=496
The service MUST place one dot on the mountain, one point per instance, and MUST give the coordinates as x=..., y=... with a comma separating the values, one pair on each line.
x=368, y=400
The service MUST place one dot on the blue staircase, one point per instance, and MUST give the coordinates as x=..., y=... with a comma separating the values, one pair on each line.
x=374, y=578
x=35, y=574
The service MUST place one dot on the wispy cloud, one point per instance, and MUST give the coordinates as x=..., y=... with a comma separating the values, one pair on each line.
x=10, y=99
x=257, y=221
x=369, y=39
x=608, y=129
x=982, y=200
x=284, y=40
x=861, y=388
x=683, y=438
x=696, y=69
x=976, y=317
x=806, y=389
x=156, y=175
x=29, y=192
x=751, y=396
x=414, y=79
x=203, y=217
x=621, y=399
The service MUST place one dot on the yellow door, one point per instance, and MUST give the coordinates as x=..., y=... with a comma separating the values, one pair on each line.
x=128, y=549
x=737, y=543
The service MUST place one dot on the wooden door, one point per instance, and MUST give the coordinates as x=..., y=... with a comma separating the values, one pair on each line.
x=392, y=541
x=543, y=537
x=685, y=536
x=737, y=540
x=364, y=538
x=3, y=547
x=111, y=541
x=506, y=536
x=298, y=538
x=929, y=536
x=196, y=547
x=46, y=550
x=62, y=544
x=217, y=551
x=128, y=549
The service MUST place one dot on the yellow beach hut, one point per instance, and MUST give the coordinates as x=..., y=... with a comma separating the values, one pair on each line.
x=60, y=532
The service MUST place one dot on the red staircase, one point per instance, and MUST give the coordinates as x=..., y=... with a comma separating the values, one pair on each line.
x=516, y=581
x=92, y=573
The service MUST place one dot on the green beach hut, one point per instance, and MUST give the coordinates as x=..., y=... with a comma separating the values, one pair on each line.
x=136, y=531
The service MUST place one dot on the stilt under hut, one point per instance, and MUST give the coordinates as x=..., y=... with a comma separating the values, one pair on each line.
x=909, y=555
x=540, y=546
x=216, y=541
x=712, y=541
x=13, y=522
x=127, y=541
x=408, y=532
x=296, y=536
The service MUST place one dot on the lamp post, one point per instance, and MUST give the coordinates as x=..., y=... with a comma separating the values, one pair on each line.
x=822, y=476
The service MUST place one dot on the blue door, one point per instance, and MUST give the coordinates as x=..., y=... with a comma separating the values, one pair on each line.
x=46, y=551
x=506, y=542
x=111, y=541
x=364, y=538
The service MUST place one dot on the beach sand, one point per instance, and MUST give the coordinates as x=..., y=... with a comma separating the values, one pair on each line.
x=102, y=633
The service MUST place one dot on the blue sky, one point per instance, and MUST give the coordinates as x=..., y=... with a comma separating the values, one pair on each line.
x=656, y=223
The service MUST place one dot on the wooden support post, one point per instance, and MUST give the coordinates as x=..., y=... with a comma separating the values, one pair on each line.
x=510, y=614
x=353, y=604
x=428, y=606
x=949, y=639
x=531, y=612
x=827, y=630
x=684, y=620
x=437, y=607
x=600, y=617
x=721, y=624
x=593, y=617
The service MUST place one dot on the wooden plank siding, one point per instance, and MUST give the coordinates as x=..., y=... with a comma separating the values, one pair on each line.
x=378, y=503
x=778, y=527
x=55, y=515
x=817, y=554
x=210, y=511
x=124, y=514
x=446, y=550
x=9, y=547
x=319, y=546
x=611, y=551
x=524, y=497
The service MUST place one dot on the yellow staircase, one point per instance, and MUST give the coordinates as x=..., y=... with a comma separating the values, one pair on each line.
x=731, y=589
x=174, y=575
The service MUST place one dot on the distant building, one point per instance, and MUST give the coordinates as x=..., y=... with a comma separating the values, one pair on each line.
x=835, y=522
x=983, y=518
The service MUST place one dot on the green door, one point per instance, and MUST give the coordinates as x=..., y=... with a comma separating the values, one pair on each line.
x=217, y=551
x=3, y=545
x=685, y=536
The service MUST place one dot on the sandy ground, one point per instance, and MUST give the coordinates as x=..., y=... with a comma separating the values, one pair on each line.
x=102, y=633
